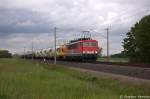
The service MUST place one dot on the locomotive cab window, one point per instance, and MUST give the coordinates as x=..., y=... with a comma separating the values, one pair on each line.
x=93, y=43
x=89, y=44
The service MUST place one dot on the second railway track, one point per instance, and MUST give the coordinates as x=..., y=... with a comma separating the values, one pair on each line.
x=137, y=72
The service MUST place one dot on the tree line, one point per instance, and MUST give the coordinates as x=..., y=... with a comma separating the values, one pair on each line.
x=5, y=54
x=137, y=43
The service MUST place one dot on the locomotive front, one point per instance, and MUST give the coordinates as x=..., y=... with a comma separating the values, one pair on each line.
x=89, y=49
x=82, y=49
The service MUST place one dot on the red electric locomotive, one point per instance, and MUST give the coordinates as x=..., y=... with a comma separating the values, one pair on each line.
x=82, y=49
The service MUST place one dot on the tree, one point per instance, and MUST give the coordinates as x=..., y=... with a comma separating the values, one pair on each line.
x=137, y=43
x=5, y=54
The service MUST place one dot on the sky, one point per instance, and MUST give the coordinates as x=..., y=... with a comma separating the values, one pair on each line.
x=25, y=21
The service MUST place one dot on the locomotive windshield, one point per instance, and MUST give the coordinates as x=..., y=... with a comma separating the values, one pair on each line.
x=89, y=44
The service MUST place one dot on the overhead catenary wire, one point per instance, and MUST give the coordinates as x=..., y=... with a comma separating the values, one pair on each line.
x=125, y=17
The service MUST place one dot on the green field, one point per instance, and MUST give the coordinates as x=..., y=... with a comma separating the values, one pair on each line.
x=20, y=79
x=123, y=60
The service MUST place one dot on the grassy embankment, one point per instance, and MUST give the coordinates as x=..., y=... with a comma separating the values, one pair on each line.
x=21, y=79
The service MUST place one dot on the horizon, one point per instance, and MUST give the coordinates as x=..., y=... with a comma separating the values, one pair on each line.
x=24, y=22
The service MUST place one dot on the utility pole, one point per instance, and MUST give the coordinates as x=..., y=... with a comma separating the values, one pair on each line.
x=24, y=52
x=32, y=50
x=107, y=29
x=55, y=44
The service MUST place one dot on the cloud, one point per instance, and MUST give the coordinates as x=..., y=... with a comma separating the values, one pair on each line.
x=23, y=20
x=16, y=42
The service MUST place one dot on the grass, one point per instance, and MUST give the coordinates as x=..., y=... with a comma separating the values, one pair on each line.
x=123, y=60
x=20, y=79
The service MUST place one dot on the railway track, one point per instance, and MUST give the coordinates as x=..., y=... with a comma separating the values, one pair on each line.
x=131, y=71
x=123, y=64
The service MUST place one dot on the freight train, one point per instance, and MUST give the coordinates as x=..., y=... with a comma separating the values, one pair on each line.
x=81, y=49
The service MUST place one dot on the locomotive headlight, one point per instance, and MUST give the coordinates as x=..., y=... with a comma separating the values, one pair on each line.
x=88, y=52
x=84, y=52
x=96, y=52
